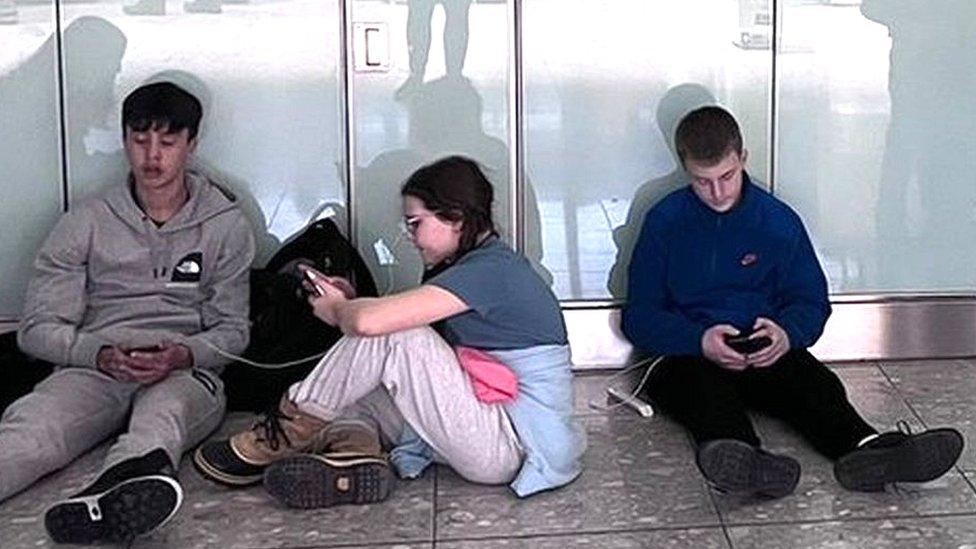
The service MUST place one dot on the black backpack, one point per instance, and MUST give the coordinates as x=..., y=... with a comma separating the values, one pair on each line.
x=283, y=328
x=20, y=371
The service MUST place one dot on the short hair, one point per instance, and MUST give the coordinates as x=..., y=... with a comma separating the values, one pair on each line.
x=707, y=135
x=162, y=105
x=455, y=189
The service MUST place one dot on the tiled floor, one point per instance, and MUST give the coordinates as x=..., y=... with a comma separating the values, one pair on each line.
x=640, y=489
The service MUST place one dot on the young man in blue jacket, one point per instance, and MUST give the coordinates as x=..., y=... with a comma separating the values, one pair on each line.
x=725, y=283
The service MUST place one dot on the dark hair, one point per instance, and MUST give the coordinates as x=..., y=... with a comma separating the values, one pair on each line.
x=455, y=189
x=162, y=105
x=707, y=135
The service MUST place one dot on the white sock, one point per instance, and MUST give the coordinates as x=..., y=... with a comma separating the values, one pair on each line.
x=867, y=439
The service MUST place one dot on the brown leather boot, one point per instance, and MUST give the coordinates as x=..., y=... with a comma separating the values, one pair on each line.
x=352, y=469
x=351, y=437
x=240, y=461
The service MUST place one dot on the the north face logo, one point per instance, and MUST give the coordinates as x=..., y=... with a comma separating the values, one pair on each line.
x=188, y=268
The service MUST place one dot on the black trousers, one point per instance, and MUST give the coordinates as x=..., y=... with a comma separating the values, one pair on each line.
x=711, y=401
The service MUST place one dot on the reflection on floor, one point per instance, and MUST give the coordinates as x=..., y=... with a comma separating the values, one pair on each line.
x=640, y=489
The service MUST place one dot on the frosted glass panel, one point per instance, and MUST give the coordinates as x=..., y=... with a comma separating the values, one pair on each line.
x=877, y=135
x=605, y=88
x=445, y=93
x=266, y=74
x=30, y=172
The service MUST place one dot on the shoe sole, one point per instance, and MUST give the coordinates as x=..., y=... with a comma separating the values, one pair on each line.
x=737, y=468
x=314, y=481
x=923, y=457
x=131, y=509
x=210, y=472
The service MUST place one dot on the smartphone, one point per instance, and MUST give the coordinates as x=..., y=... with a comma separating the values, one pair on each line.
x=311, y=277
x=742, y=343
x=146, y=349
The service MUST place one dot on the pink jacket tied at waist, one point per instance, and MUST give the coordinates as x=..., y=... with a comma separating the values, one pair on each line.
x=493, y=381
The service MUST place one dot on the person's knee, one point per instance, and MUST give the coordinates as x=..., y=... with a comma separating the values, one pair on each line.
x=414, y=335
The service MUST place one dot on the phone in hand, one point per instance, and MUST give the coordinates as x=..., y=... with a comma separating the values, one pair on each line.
x=144, y=349
x=311, y=277
x=743, y=344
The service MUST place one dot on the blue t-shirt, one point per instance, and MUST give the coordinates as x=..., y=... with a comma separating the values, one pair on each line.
x=511, y=306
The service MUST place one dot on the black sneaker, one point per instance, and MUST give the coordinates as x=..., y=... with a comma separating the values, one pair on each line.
x=899, y=457
x=310, y=481
x=133, y=508
x=154, y=463
x=737, y=468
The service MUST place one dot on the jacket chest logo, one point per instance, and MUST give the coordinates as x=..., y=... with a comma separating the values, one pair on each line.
x=189, y=268
x=749, y=260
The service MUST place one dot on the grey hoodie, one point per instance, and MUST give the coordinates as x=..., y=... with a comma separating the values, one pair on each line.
x=107, y=275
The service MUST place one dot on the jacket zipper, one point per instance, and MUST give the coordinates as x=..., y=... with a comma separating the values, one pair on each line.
x=715, y=238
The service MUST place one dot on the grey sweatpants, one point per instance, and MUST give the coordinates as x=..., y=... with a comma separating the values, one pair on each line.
x=76, y=408
x=413, y=377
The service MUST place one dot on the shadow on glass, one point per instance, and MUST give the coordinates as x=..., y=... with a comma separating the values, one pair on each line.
x=926, y=204
x=676, y=102
x=444, y=118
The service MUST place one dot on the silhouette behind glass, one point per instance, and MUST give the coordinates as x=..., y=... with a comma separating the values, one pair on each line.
x=444, y=118
x=419, y=15
x=29, y=136
x=676, y=102
x=926, y=205
x=266, y=243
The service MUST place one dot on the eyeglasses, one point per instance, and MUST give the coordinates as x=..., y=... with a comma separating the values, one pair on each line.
x=410, y=223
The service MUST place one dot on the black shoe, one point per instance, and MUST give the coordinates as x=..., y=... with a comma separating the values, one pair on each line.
x=153, y=463
x=310, y=481
x=217, y=461
x=737, y=468
x=133, y=508
x=899, y=457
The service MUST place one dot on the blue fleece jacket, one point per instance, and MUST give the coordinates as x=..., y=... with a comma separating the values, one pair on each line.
x=693, y=268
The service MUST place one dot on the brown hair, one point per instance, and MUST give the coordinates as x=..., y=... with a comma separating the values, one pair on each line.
x=455, y=189
x=707, y=135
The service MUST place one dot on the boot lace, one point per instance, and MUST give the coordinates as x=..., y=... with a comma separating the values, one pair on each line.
x=903, y=427
x=270, y=429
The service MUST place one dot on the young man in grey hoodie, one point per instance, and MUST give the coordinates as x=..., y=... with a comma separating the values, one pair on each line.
x=133, y=294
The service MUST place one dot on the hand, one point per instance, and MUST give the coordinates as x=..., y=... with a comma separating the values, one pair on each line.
x=325, y=297
x=150, y=366
x=767, y=356
x=715, y=349
x=115, y=363
x=313, y=279
x=343, y=285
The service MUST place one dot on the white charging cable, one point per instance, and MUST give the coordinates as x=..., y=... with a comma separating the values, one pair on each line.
x=264, y=365
x=389, y=266
x=628, y=399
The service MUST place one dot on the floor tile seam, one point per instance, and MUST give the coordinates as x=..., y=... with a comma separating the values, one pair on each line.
x=901, y=395
x=346, y=544
x=460, y=493
x=850, y=365
x=904, y=517
x=965, y=399
x=966, y=478
x=433, y=508
x=583, y=532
